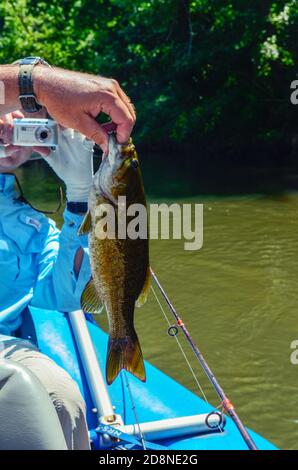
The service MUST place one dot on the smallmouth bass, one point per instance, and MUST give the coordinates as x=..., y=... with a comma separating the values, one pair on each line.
x=120, y=266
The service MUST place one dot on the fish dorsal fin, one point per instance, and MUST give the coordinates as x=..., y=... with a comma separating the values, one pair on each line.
x=145, y=291
x=90, y=301
x=85, y=225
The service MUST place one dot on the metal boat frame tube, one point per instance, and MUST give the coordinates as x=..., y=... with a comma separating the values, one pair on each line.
x=96, y=383
x=177, y=427
x=153, y=430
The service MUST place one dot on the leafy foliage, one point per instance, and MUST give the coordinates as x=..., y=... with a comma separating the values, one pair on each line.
x=210, y=73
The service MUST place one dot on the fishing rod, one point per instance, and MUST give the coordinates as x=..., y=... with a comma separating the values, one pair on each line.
x=225, y=402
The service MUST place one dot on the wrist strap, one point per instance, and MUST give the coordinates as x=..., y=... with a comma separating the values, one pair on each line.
x=27, y=97
x=77, y=207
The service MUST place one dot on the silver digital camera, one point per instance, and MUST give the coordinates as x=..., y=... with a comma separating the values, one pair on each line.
x=35, y=133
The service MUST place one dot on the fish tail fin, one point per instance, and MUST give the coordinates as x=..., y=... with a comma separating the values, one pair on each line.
x=125, y=353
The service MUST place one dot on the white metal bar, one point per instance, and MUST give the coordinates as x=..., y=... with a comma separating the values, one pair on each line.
x=97, y=386
x=174, y=427
x=154, y=430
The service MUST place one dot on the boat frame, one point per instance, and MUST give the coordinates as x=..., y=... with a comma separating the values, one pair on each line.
x=129, y=414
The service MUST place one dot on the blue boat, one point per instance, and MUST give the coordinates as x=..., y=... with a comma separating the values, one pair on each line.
x=157, y=414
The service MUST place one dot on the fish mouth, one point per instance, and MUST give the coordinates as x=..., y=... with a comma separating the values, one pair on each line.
x=103, y=179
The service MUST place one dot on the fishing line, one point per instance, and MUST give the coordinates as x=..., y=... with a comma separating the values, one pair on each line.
x=134, y=409
x=226, y=404
x=220, y=429
x=181, y=348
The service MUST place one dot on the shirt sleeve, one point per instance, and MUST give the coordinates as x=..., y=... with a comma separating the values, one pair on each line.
x=58, y=287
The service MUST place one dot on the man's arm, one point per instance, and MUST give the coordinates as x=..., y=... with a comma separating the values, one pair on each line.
x=61, y=275
x=64, y=267
x=9, y=89
x=74, y=100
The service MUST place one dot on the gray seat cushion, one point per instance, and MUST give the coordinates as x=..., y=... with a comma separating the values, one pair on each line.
x=28, y=419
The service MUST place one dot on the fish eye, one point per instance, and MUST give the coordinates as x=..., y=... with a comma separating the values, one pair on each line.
x=134, y=163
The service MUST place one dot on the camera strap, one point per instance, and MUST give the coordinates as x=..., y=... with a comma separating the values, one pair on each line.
x=22, y=198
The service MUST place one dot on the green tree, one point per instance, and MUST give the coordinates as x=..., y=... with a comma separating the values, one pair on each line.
x=211, y=74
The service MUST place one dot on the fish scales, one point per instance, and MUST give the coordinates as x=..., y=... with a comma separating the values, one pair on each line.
x=120, y=267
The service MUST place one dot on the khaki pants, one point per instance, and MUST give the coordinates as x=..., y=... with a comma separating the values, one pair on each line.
x=63, y=391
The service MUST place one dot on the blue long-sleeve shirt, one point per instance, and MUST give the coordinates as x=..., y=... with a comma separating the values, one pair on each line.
x=36, y=259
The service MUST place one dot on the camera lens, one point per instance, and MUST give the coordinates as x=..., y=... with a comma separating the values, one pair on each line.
x=43, y=134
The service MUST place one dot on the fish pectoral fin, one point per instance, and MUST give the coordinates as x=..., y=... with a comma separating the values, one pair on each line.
x=125, y=353
x=85, y=225
x=145, y=290
x=90, y=300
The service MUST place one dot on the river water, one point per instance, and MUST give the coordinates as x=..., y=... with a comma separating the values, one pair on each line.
x=238, y=295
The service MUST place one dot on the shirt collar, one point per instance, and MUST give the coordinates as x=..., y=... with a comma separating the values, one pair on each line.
x=7, y=182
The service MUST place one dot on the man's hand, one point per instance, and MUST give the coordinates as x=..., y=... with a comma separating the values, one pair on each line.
x=74, y=100
x=6, y=126
x=72, y=160
x=11, y=156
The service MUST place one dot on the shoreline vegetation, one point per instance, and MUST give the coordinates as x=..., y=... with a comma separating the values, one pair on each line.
x=211, y=78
